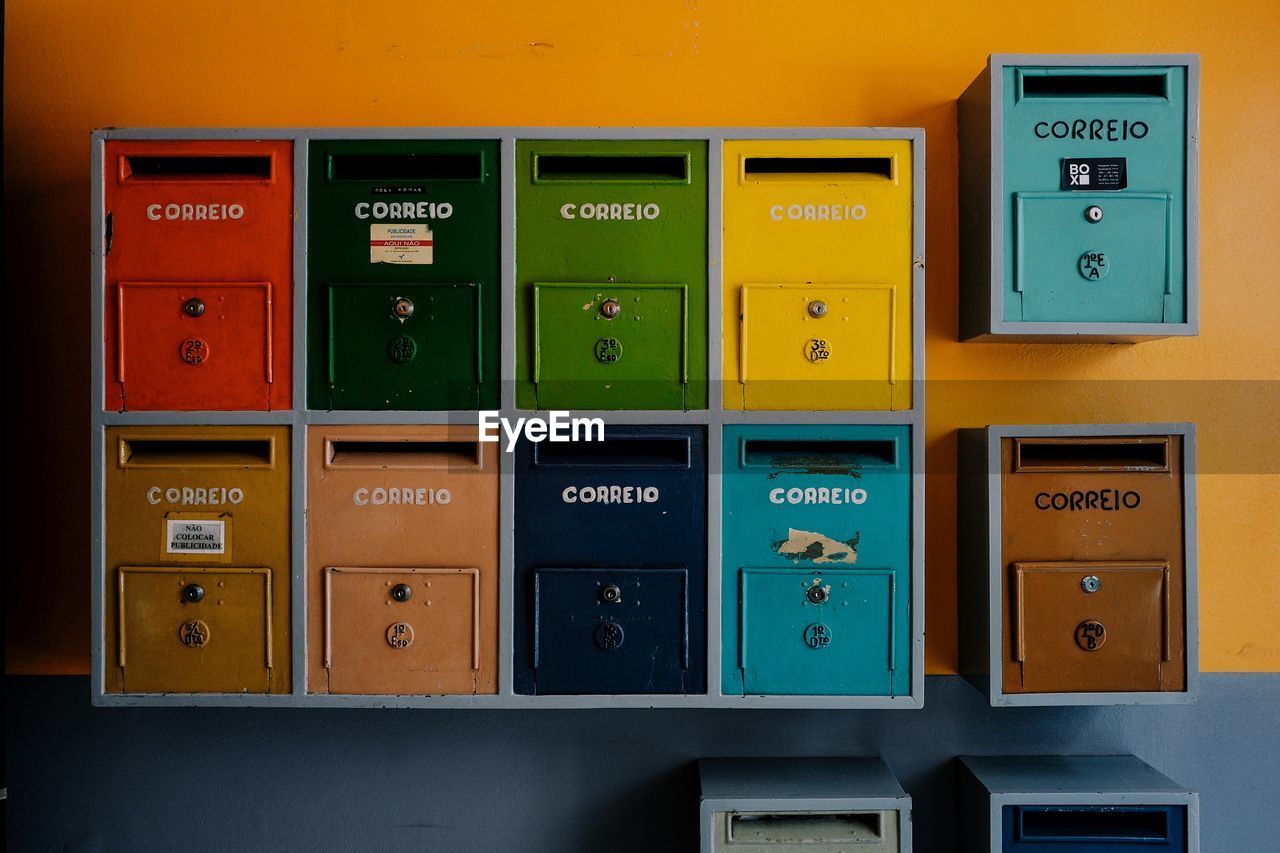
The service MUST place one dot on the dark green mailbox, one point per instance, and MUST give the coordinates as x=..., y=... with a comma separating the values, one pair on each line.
x=611, y=274
x=403, y=266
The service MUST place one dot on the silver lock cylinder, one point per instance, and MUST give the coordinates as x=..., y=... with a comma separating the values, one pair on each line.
x=611, y=594
x=1093, y=213
x=817, y=309
x=1090, y=583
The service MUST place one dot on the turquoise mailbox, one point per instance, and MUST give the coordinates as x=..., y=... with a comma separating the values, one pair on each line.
x=817, y=560
x=1079, y=198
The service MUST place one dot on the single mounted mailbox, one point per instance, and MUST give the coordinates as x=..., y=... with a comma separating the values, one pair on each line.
x=611, y=274
x=816, y=566
x=404, y=265
x=610, y=563
x=197, y=559
x=197, y=243
x=819, y=261
x=402, y=555
x=802, y=805
x=1078, y=198
x=1092, y=560
x=1052, y=804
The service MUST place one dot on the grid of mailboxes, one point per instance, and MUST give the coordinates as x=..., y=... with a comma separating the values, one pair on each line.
x=290, y=474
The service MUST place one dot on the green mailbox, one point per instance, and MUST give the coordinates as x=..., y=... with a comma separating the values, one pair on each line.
x=611, y=274
x=404, y=271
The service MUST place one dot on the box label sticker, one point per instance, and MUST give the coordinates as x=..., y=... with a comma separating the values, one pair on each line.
x=1093, y=173
x=195, y=537
x=401, y=244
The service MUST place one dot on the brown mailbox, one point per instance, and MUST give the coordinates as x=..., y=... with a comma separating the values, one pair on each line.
x=402, y=526
x=1093, y=545
x=197, y=550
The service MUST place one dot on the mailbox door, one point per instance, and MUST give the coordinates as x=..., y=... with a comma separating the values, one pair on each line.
x=206, y=220
x=181, y=345
x=1068, y=268
x=826, y=344
x=1085, y=829
x=430, y=359
x=632, y=214
x=610, y=631
x=172, y=643
x=1090, y=626
x=606, y=346
x=381, y=639
x=826, y=223
x=424, y=216
x=806, y=832
x=1127, y=128
x=841, y=645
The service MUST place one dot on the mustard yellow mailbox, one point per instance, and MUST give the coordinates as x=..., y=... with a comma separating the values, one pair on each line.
x=819, y=253
x=197, y=548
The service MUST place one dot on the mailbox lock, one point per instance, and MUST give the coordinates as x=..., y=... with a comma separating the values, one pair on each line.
x=1093, y=213
x=817, y=309
x=611, y=594
x=193, y=593
x=402, y=308
x=193, y=307
x=818, y=594
x=610, y=308
x=1090, y=583
x=402, y=592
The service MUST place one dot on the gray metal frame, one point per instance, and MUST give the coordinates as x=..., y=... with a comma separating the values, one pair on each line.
x=980, y=567
x=988, y=783
x=828, y=784
x=982, y=198
x=713, y=417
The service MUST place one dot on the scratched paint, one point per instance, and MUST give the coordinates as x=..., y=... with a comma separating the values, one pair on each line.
x=804, y=545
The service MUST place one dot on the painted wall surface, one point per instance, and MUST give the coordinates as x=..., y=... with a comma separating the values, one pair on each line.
x=73, y=65
x=199, y=779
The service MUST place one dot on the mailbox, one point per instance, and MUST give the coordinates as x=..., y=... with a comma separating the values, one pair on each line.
x=197, y=560
x=404, y=264
x=198, y=263
x=611, y=274
x=1090, y=564
x=802, y=805
x=402, y=555
x=1078, y=197
x=816, y=567
x=1090, y=804
x=818, y=269
x=610, y=563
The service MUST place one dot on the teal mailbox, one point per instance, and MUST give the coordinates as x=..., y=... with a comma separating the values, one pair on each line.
x=817, y=560
x=1079, y=198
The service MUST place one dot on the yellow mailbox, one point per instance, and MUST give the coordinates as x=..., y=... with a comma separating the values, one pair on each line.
x=197, y=559
x=817, y=274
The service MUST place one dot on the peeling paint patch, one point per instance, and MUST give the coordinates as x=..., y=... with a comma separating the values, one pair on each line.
x=818, y=548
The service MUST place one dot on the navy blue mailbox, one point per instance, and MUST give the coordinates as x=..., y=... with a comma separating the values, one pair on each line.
x=1086, y=829
x=610, y=563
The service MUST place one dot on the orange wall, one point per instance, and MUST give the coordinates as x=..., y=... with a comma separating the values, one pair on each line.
x=73, y=66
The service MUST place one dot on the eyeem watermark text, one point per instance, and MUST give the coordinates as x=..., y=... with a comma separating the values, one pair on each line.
x=557, y=426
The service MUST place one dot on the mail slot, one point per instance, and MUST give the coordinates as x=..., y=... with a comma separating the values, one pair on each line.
x=198, y=259
x=196, y=598
x=611, y=274
x=818, y=266
x=1107, y=829
x=806, y=832
x=610, y=563
x=1094, y=216
x=402, y=532
x=1093, y=545
x=404, y=256
x=816, y=560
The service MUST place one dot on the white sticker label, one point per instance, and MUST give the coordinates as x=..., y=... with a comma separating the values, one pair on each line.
x=400, y=244
x=195, y=537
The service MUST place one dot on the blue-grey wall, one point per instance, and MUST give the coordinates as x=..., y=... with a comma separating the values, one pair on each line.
x=83, y=778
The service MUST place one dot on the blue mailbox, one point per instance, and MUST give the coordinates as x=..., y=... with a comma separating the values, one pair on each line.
x=610, y=563
x=817, y=560
x=1095, y=829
